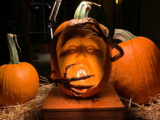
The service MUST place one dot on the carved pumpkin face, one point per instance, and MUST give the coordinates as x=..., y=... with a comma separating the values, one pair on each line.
x=89, y=54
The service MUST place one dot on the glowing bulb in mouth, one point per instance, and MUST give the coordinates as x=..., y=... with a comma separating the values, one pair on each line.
x=81, y=73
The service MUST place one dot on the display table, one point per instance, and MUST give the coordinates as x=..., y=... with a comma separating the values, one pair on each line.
x=104, y=106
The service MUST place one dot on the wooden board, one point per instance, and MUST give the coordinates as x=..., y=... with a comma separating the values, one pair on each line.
x=104, y=106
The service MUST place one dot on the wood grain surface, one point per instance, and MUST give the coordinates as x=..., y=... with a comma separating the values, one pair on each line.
x=104, y=106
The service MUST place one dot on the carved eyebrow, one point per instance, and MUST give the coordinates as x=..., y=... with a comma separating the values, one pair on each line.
x=68, y=49
x=96, y=39
x=69, y=43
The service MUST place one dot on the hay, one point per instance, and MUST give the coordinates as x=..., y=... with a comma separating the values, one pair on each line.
x=31, y=110
x=143, y=112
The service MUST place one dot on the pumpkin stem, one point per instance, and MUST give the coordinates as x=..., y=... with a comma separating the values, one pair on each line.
x=83, y=9
x=14, y=58
x=123, y=35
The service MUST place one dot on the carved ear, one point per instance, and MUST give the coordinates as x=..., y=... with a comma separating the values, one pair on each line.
x=118, y=55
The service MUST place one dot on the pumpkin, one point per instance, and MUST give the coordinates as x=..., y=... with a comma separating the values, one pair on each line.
x=75, y=42
x=19, y=81
x=136, y=75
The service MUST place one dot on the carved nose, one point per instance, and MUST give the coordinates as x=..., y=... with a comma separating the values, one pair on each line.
x=81, y=52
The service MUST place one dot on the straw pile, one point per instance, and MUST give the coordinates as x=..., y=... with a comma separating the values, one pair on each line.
x=31, y=110
x=28, y=111
x=144, y=112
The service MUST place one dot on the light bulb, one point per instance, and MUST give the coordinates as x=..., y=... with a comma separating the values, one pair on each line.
x=81, y=73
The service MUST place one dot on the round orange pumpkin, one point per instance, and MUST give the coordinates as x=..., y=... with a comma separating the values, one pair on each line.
x=137, y=74
x=19, y=81
x=76, y=42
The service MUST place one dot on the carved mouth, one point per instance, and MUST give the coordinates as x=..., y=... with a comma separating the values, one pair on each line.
x=83, y=85
x=81, y=72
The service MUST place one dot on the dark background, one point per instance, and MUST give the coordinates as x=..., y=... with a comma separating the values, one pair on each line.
x=29, y=20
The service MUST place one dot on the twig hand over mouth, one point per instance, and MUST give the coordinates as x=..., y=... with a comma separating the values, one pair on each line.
x=66, y=82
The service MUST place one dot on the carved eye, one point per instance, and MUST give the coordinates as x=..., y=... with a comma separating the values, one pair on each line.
x=72, y=49
x=91, y=49
x=68, y=51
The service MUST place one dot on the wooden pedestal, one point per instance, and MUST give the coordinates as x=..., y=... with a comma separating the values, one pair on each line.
x=104, y=106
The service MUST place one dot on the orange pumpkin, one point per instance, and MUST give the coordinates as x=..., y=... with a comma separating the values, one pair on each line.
x=137, y=74
x=77, y=42
x=19, y=82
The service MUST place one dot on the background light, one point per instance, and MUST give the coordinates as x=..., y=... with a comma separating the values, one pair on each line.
x=117, y=1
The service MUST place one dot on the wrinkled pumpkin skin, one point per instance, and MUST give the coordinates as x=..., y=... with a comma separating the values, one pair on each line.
x=18, y=83
x=91, y=54
x=137, y=74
